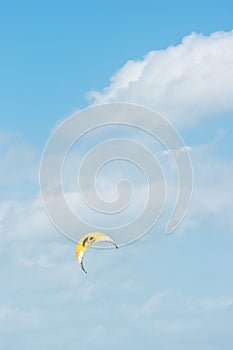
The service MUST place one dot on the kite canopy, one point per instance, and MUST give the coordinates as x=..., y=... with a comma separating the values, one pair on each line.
x=87, y=240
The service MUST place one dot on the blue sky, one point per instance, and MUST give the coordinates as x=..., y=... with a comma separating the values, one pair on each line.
x=58, y=57
x=53, y=53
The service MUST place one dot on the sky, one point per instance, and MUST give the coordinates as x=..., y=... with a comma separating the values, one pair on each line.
x=163, y=291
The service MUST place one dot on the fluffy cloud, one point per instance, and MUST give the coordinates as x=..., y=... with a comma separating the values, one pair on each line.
x=186, y=83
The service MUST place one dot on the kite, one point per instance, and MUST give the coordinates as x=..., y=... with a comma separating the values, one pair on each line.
x=87, y=240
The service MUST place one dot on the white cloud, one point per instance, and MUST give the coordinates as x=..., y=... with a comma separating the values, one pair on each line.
x=6, y=312
x=39, y=272
x=212, y=202
x=186, y=83
x=178, y=318
x=23, y=219
x=40, y=261
x=15, y=319
x=211, y=303
x=153, y=304
x=19, y=166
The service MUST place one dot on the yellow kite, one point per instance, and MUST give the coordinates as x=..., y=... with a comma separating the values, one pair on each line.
x=87, y=240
